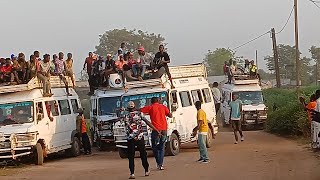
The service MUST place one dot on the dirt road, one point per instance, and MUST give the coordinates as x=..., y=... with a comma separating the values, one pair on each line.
x=260, y=157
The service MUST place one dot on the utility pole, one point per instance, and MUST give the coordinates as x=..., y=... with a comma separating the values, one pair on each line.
x=297, y=45
x=257, y=59
x=276, y=57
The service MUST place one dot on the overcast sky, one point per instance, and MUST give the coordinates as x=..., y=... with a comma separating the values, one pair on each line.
x=191, y=27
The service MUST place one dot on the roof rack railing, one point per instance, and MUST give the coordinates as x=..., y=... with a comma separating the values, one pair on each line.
x=34, y=83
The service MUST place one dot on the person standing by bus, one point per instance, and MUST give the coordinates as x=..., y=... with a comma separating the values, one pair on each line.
x=82, y=130
x=135, y=138
x=202, y=129
x=158, y=113
x=235, y=117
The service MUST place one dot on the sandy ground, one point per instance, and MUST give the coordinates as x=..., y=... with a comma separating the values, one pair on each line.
x=260, y=157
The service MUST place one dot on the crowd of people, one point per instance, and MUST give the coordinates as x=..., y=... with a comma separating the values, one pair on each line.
x=17, y=70
x=231, y=69
x=125, y=64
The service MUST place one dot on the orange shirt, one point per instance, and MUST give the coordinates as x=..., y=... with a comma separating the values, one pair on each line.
x=311, y=105
x=83, y=126
x=119, y=64
x=158, y=113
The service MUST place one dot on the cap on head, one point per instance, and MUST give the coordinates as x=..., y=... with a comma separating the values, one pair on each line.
x=141, y=48
x=80, y=110
x=131, y=105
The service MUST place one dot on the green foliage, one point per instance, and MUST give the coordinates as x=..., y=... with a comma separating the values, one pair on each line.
x=286, y=115
x=215, y=60
x=110, y=41
x=287, y=64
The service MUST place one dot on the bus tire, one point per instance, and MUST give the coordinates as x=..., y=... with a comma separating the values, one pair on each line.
x=209, y=139
x=38, y=154
x=173, y=145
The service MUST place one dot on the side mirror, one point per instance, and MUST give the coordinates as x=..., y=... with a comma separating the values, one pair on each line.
x=94, y=111
x=174, y=107
x=39, y=117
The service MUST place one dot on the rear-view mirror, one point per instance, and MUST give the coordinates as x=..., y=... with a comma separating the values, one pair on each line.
x=39, y=117
x=174, y=107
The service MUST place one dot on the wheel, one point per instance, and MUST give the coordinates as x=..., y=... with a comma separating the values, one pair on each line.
x=101, y=145
x=38, y=154
x=209, y=139
x=173, y=145
x=123, y=153
x=74, y=151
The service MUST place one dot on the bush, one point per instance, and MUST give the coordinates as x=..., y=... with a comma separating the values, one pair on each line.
x=286, y=116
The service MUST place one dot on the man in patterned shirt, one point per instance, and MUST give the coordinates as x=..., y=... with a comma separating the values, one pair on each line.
x=135, y=137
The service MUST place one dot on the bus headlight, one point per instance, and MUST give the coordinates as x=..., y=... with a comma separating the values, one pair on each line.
x=26, y=137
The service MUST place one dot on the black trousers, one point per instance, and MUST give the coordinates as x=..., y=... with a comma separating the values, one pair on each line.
x=86, y=143
x=143, y=154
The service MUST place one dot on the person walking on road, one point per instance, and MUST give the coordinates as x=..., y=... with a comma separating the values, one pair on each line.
x=82, y=130
x=235, y=117
x=158, y=113
x=135, y=138
x=202, y=129
x=216, y=96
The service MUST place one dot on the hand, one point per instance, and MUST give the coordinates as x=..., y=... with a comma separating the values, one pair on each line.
x=194, y=133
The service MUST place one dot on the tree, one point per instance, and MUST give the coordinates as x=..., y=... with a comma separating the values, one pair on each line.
x=215, y=60
x=287, y=64
x=315, y=55
x=110, y=41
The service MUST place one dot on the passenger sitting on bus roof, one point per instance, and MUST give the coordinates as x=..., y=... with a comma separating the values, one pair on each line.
x=129, y=74
x=119, y=67
x=59, y=71
x=142, y=63
x=246, y=67
x=109, y=69
x=32, y=68
x=18, y=69
x=117, y=56
x=6, y=74
x=162, y=59
x=44, y=75
x=22, y=71
x=68, y=68
x=225, y=68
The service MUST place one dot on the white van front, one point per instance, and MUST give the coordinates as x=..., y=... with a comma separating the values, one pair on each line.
x=254, y=111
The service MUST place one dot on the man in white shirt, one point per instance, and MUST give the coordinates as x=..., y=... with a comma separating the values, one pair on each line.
x=316, y=125
x=216, y=96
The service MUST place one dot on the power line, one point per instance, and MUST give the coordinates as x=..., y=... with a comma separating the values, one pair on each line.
x=248, y=42
x=315, y=3
x=285, y=25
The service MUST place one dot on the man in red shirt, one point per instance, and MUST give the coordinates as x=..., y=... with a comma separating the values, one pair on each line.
x=6, y=74
x=158, y=113
x=88, y=62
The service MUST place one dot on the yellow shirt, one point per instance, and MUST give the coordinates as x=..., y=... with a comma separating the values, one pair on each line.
x=201, y=116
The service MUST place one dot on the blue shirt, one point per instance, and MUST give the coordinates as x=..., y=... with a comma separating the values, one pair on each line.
x=235, y=109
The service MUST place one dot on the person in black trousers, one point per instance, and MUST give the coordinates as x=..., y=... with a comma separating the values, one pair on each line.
x=135, y=138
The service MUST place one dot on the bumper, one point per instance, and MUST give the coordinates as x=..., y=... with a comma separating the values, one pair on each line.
x=254, y=121
x=13, y=153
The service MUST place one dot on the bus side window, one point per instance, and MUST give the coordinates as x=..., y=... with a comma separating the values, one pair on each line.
x=174, y=101
x=196, y=96
x=39, y=110
x=75, y=105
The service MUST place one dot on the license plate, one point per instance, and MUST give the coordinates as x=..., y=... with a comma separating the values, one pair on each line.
x=251, y=121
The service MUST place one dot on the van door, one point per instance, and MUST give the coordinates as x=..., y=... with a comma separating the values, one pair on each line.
x=177, y=115
x=64, y=122
x=189, y=114
x=43, y=123
x=53, y=114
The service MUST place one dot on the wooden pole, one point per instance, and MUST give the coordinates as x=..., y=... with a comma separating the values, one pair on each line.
x=276, y=57
x=297, y=46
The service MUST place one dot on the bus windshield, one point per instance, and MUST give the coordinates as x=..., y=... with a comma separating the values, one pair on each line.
x=250, y=97
x=16, y=113
x=109, y=105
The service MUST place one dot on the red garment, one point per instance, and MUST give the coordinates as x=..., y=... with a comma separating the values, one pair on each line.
x=158, y=113
x=131, y=62
x=89, y=62
x=6, y=68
